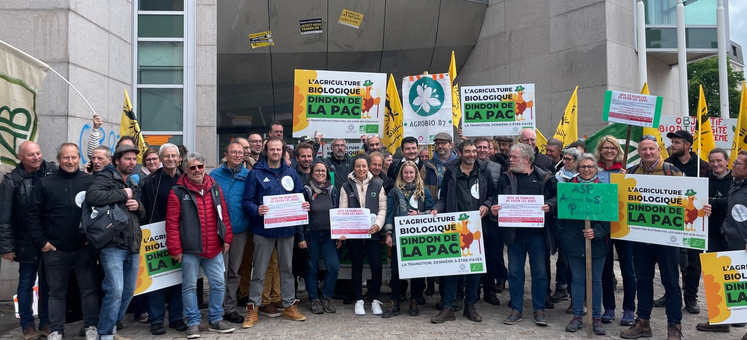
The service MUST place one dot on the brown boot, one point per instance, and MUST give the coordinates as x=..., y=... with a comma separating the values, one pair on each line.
x=640, y=329
x=674, y=332
x=707, y=327
x=251, y=316
x=292, y=312
x=29, y=332
x=446, y=314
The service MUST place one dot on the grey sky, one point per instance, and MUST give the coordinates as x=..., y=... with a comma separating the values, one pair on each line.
x=737, y=22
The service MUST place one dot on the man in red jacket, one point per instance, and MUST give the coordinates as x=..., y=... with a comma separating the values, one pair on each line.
x=198, y=229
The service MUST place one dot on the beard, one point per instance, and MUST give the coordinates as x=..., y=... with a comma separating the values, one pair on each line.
x=518, y=168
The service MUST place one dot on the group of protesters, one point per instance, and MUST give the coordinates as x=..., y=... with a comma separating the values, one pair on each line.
x=216, y=222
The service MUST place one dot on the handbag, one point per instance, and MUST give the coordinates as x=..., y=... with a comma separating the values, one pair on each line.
x=102, y=224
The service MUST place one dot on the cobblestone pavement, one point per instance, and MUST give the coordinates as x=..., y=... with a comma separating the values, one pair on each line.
x=345, y=325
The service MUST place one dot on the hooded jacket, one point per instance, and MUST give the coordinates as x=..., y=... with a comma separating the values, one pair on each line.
x=262, y=182
x=441, y=165
x=340, y=169
x=735, y=224
x=16, y=195
x=55, y=215
x=107, y=187
x=233, y=182
x=508, y=186
x=690, y=169
x=362, y=187
x=718, y=189
x=193, y=224
x=447, y=200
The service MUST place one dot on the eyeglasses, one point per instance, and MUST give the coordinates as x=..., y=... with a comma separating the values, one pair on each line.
x=586, y=167
x=647, y=137
x=738, y=163
x=198, y=166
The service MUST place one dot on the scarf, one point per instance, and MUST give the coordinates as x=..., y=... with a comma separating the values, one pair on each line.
x=567, y=174
x=590, y=180
x=321, y=188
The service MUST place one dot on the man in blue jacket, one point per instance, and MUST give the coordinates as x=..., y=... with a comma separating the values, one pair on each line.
x=271, y=177
x=231, y=176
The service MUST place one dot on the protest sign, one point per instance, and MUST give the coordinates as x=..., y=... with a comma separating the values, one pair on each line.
x=666, y=210
x=285, y=210
x=261, y=39
x=725, y=283
x=447, y=244
x=426, y=105
x=632, y=109
x=350, y=19
x=157, y=269
x=353, y=223
x=310, y=26
x=351, y=150
x=521, y=211
x=593, y=201
x=338, y=104
x=723, y=129
x=497, y=109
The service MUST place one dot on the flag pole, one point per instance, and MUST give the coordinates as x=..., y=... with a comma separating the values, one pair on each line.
x=627, y=146
x=75, y=89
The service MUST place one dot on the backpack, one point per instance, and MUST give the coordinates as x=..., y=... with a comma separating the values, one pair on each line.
x=667, y=167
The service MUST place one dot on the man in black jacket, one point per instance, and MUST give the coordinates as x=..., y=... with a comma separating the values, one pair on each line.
x=339, y=162
x=121, y=256
x=467, y=186
x=16, y=194
x=53, y=222
x=529, y=137
x=688, y=162
x=524, y=178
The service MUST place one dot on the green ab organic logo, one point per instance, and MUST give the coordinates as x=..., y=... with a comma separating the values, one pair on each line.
x=426, y=96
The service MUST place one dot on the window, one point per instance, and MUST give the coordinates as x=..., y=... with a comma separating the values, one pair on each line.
x=159, y=66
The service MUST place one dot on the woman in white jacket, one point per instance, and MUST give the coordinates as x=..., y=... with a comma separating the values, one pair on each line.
x=363, y=191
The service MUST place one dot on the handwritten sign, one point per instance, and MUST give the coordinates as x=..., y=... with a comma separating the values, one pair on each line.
x=595, y=201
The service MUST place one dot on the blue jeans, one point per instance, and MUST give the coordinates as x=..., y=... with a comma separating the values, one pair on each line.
x=470, y=289
x=157, y=305
x=120, y=269
x=26, y=279
x=213, y=269
x=517, y=256
x=645, y=258
x=578, y=269
x=625, y=257
x=321, y=242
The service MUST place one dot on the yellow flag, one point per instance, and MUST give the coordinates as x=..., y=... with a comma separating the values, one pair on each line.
x=541, y=141
x=703, y=141
x=740, y=134
x=567, y=130
x=129, y=126
x=456, y=104
x=654, y=131
x=393, y=132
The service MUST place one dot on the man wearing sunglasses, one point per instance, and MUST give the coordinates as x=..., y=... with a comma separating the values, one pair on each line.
x=198, y=231
x=646, y=256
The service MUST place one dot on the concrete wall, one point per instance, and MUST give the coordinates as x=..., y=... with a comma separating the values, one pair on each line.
x=206, y=76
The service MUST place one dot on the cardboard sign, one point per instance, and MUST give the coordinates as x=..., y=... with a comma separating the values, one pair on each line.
x=350, y=19
x=666, y=210
x=497, y=109
x=632, y=108
x=595, y=201
x=444, y=245
x=310, y=26
x=725, y=283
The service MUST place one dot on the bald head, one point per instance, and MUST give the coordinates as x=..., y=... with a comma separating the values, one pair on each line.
x=528, y=137
x=30, y=156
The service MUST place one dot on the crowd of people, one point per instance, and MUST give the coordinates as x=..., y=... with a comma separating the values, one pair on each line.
x=216, y=222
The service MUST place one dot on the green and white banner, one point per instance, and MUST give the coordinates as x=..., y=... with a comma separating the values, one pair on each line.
x=21, y=76
x=444, y=245
x=426, y=105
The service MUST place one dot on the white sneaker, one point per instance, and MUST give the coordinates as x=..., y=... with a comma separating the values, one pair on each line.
x=54, y=336
x=301, y=285
x=92, y=333
x=376, y=307
x=359, y=308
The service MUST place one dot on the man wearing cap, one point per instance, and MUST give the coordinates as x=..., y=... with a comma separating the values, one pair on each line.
x=443, y=154
x=687, y=161
x=121, y=256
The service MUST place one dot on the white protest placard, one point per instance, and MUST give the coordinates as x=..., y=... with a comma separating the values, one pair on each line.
x=157, y=269
x=444, y=245
x=285, y=211
x=521, y=211
x=497, y=109
x=666, y=210
x=632, y=108
x=426, y=106
x=353, y=223
x=722, y=128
